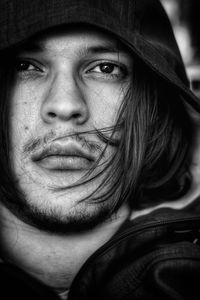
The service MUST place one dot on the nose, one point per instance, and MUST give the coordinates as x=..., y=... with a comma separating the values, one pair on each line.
x=64, y=101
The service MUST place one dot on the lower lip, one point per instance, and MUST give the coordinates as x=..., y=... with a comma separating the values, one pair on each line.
x=65, y=163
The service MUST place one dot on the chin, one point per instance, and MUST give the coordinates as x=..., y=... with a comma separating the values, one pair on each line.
x=59, y=218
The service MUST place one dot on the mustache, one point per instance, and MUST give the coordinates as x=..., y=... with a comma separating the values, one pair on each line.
x=93, y=146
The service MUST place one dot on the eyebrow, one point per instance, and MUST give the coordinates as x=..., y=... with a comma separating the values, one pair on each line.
x=31, y=47
x=84, y=51
x=102, y=49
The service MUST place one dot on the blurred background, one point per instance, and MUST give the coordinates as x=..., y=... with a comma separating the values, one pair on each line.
x=185, y=19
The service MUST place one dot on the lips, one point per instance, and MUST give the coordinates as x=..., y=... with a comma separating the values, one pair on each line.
x=63, y=156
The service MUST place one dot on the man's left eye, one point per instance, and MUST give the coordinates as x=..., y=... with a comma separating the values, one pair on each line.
x=108, y=69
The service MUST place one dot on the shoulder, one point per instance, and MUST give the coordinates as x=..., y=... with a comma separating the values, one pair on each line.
x=152, y=257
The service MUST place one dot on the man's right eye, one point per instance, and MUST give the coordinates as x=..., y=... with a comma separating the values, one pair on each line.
x=25, y=66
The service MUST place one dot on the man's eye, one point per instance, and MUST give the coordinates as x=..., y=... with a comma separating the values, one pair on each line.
x=23, y=66
x=108, y=69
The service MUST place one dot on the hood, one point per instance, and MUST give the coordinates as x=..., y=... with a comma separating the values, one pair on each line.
x=140, y=24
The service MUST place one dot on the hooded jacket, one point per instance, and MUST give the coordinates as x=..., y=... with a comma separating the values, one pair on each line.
x=140, y=24
x=152, y=257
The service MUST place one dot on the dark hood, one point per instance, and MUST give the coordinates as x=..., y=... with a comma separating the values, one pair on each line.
x=141, y=24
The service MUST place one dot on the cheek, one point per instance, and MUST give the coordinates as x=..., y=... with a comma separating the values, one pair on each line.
x=23, y=114
x=104, y=103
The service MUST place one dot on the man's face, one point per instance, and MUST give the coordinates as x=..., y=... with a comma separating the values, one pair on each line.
x=67, y=85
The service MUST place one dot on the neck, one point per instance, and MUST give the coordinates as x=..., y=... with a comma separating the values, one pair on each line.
x=53, y=259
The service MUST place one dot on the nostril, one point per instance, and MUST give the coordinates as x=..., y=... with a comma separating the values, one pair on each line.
x=51, y=115
x=76, y=116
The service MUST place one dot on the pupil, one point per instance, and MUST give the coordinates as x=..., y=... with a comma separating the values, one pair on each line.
x=22, y=66
x=107, y=68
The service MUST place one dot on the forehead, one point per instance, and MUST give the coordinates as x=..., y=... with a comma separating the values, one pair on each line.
x=58, y=39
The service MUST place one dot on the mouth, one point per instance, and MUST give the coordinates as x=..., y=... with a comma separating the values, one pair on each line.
x=60, y=156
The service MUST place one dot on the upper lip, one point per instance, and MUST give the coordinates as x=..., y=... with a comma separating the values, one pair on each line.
x=60, y=149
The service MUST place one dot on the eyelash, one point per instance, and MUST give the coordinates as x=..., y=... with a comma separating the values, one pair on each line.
x=120, y=70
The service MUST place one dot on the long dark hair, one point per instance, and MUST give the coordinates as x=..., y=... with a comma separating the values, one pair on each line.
x=151, y=162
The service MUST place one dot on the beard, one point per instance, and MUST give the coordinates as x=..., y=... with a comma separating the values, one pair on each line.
x=84, y=216
x=51, y=207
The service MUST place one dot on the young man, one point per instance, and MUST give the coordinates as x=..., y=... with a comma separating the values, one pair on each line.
x=97, y=132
